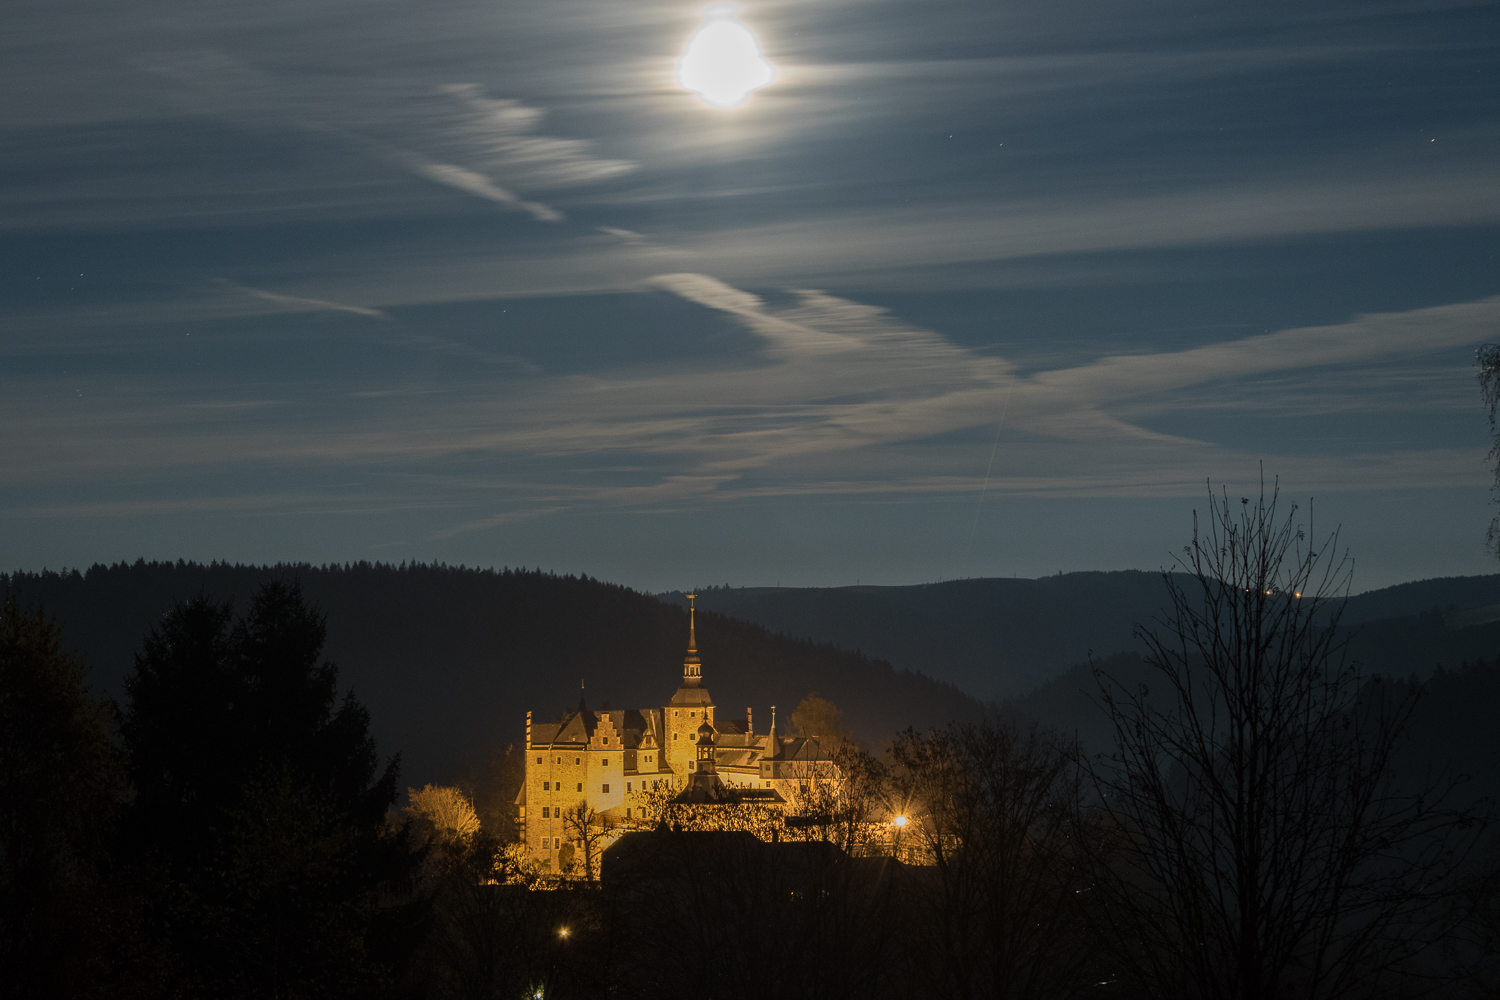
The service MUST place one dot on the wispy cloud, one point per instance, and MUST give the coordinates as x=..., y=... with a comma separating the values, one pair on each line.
x=481, y=186
x=837, y=386
x=297, y=303
x=458, y=137
x=500, y=136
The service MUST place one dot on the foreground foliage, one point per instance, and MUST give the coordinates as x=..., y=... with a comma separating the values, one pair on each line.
x=1251, y=841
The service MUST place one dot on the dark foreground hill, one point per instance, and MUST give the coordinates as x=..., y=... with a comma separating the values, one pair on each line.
x=998, y=638
x=449, y=660
x=1451, y=730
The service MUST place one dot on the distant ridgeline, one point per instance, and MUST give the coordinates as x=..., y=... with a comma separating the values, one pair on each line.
x=448, y=660
x=1000, y=638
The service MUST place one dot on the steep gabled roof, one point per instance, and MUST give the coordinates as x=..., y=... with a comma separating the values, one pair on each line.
x=803, y=748
x=543, y=733
x=578, y=728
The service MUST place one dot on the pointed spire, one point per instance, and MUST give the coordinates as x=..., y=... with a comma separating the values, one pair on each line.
x=773, y=745
x=692, y=667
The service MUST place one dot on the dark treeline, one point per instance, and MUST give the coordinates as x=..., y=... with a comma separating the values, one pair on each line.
x=449, y=660
x=1249, y=829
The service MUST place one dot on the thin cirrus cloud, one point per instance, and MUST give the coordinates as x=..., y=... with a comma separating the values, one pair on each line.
x=845, y=380
x=454, y=136
x=477, y=184
x=840, y=399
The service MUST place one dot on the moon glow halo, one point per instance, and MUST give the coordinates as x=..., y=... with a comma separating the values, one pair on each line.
x=723, y=64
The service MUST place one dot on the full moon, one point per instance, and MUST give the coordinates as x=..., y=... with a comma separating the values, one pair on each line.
x=723, y=63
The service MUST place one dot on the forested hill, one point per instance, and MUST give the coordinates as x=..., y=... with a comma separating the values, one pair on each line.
x=449, y=660
x=992, y=637
x=998, y=638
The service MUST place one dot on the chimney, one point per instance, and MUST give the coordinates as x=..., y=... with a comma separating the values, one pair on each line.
x=749, y=722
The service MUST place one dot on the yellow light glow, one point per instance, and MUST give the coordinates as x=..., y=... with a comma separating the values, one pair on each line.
x=723, y=64
x=900, y=820
x=562, y=932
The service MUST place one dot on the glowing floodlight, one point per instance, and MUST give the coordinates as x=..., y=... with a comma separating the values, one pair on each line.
x=723, y=63
x=900, y=820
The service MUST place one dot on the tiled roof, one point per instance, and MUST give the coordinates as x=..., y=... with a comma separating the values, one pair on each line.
x=734, y=758
x=691, y=696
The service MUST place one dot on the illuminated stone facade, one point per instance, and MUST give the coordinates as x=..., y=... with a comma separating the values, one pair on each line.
x=606, y=759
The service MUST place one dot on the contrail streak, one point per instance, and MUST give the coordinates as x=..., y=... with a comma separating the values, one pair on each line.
x=990, y=468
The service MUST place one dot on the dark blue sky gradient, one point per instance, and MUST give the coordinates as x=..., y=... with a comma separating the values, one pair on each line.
x=477, y=282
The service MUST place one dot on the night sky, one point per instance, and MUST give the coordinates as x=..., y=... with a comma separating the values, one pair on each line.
x=968, y=289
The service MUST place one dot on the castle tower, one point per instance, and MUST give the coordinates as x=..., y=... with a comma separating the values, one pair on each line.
x=703, y=780
x=689, y=708
x=705, y=750
x=692, y=667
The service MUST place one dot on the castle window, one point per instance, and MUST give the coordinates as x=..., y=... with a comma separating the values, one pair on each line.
x=604, y=762
x=690, y=765
x=546, y=786
x=578, y=760
x=539, y=760
x=675, y=735
x=546, y=843
x=627, y=812
x=768, y=784
x=692, y=715
x=580, y=786
x=545, y=813
x=627, y=788
x=606, y=741
x=606, y=789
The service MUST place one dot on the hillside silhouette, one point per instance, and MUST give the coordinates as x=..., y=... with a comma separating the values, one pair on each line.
x=999, y=638
x=449, y=660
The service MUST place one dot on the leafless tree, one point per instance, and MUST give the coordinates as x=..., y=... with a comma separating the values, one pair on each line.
x=588, y=830
x=441, y=813
x=1256, y=845
x=990, y=808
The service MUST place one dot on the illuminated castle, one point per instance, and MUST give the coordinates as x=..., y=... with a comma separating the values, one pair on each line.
x=605, y=759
